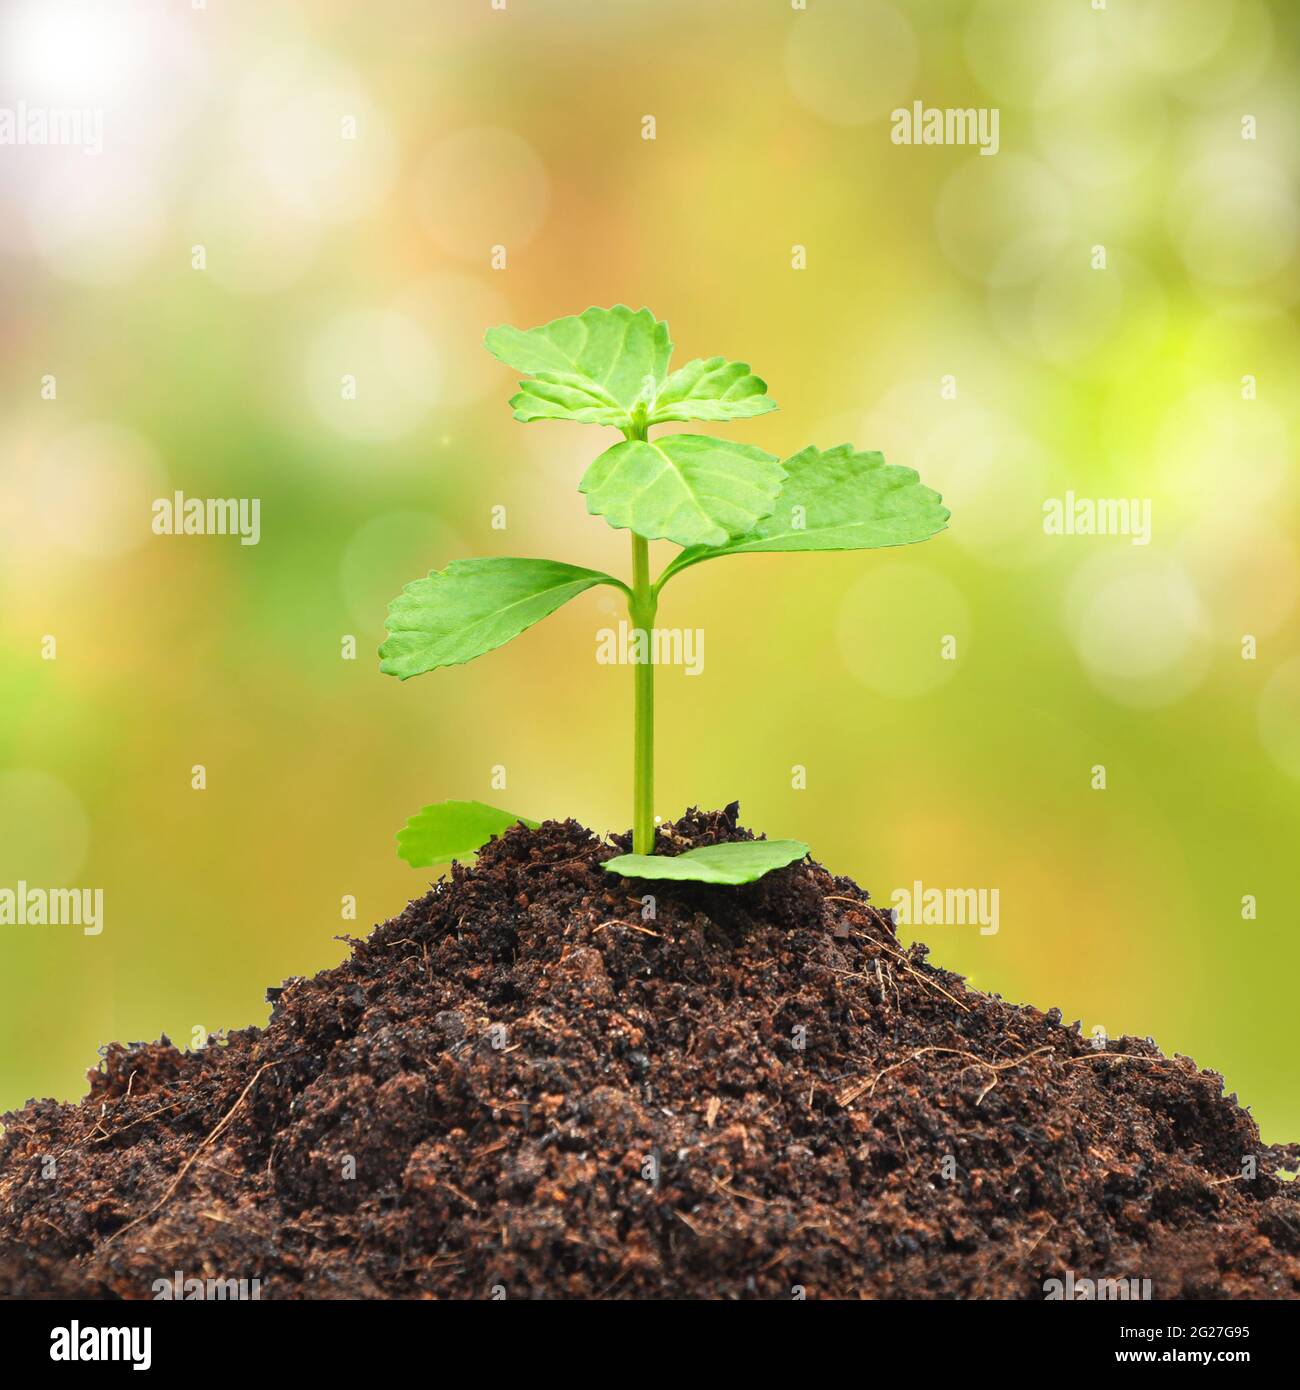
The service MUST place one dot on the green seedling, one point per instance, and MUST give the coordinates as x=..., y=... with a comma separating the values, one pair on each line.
x=452, y=830
x=711, y=497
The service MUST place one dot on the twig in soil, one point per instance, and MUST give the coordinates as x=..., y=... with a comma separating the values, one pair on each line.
x=227, y=1221
x=687, y=1222
x=857, y=1088
x=212, y=1168
x=194, y=1157
x=491, y=1148
x=631, y=926
x=552, y=864
x=731, y=1192
x=900, y=955
x=613, y=1283
x=456, y=1192
x=533, y=1021
x=1039, y=1237
x=410, y=941
x=45, y=1220
x=902, y=1143
x=139, y=1119
x=881, y=973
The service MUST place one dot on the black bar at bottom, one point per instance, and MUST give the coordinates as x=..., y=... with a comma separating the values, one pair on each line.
x=58, y=1338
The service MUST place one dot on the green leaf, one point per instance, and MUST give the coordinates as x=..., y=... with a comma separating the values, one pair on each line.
x=837, y=499
x=452, y=830
x=711, y=389
x=567, y=396
x=472, y=606
x=686, y=488
x=741, y=861
x=595, y=366
x=610, y=367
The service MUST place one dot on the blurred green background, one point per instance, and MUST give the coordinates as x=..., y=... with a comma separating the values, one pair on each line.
x=231, y=128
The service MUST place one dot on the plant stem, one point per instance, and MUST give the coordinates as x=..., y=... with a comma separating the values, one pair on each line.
x=642, y=608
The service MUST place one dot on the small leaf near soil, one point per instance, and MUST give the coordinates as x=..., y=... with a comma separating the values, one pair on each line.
x=741, y=861
x=452, y=830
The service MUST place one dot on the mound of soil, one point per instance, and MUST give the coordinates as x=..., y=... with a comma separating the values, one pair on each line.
x=525, y=1084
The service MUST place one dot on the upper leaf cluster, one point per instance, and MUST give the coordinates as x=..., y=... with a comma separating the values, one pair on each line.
x=610, y=367
x=711, y=496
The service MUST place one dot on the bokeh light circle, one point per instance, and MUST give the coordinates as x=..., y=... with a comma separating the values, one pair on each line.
x=393, y=369
x=1235, y=219
x=1094, y=321
x=851, y=64
x=325, y=149
x=1110, y=134
x=1033, y=54
x=1137, y=624
x=989, y=470
x=891, y=625
x=1169, y=36
x=1235, y=64
x=95, y=488
x=1219, y=455
x=481, y=188
x=1001, y=221
x=1246, y=571
x=252, y=244
x=44, y=830
x=1278, y=717
x=455, y=309
x=95, y=221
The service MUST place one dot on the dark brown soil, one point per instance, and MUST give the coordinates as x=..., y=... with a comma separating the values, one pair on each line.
x=522, y=1085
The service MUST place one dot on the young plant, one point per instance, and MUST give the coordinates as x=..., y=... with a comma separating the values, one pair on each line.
x=710, y=496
